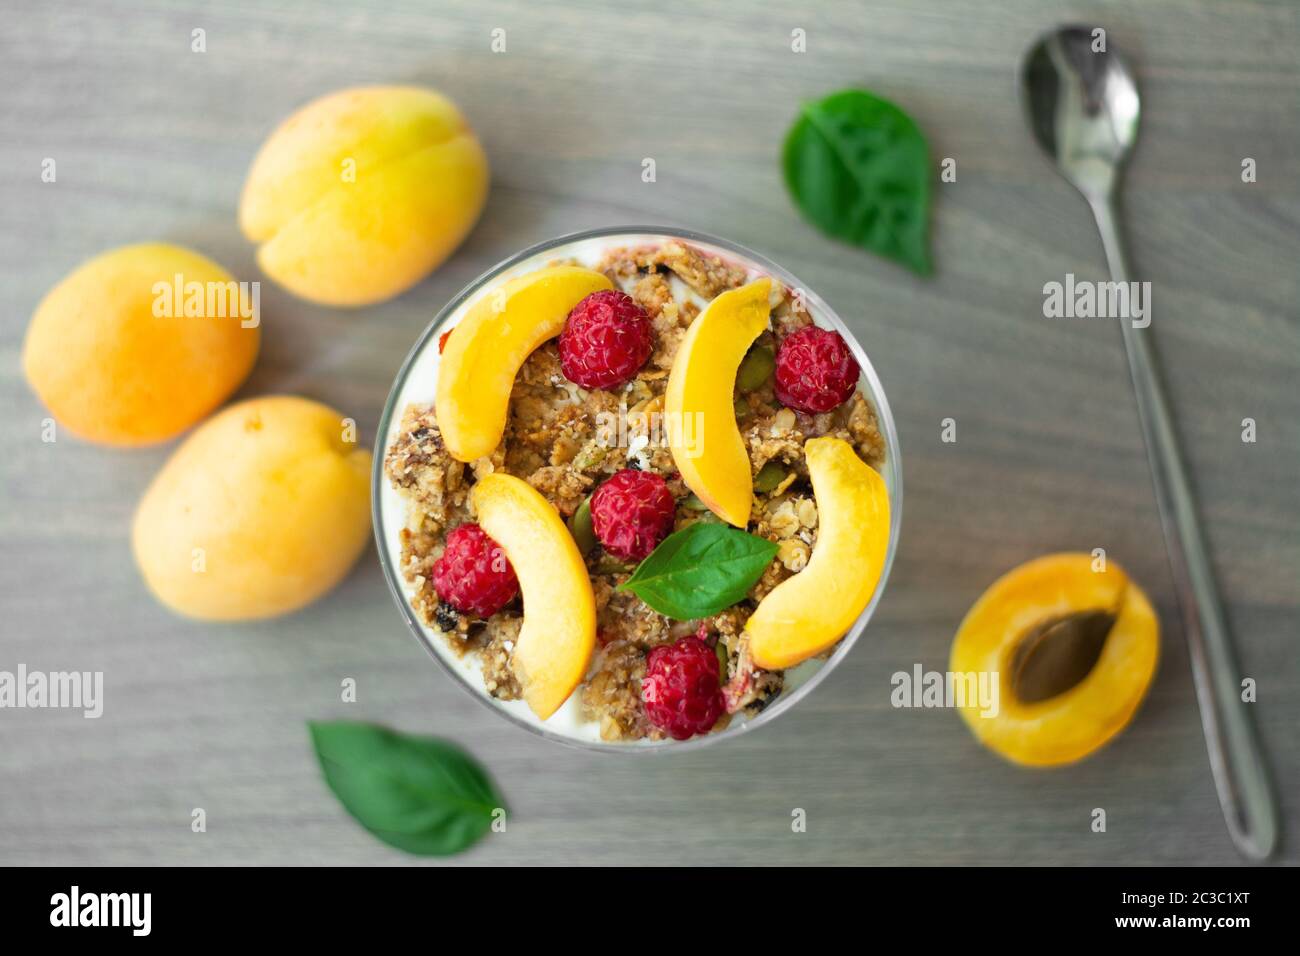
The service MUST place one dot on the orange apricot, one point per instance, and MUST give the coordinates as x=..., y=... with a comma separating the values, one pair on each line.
x=140, y=343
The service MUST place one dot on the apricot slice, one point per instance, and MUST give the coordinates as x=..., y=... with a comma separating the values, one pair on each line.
x=485, y=350
x=699, y=412
x=805, y=614
x=559, y=629
x=1044, y=600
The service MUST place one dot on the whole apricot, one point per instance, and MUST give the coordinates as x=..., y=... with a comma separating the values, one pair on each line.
x=140, y=343
x=260, y=512
x=360, y=194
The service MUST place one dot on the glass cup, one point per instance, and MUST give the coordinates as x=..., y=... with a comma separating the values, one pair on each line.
x=416, y=382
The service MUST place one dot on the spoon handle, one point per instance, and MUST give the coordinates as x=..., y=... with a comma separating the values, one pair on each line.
x=1236, y=759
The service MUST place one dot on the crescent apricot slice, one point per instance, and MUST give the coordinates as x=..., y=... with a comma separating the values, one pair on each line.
x=1018, y=606
x=559, y=629
x=805, y=614
x=485, y=350
x=698, y=405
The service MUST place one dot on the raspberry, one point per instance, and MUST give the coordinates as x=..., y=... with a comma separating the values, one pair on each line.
x=473, y=575
x=632, y=512
x=815, y=371
x=681, y=690
x=606, y=339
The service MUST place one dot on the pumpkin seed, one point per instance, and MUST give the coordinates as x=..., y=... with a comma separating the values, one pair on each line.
x=581, y=528
x=755, y=369
x=769, y=476
x=608, y=564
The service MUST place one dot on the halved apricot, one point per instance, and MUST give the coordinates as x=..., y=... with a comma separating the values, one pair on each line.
x=698, y=408
x=486, y=349
x=559, y=630
x=805, y=614
x=1107, y=644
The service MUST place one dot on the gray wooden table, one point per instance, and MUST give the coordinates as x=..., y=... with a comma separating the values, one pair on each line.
x=152, y=142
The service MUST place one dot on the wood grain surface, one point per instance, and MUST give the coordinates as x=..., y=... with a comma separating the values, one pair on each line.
x=152, y=142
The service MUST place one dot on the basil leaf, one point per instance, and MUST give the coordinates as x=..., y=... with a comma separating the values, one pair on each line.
x=700, y=570
x=419, y=794
x=858, y=168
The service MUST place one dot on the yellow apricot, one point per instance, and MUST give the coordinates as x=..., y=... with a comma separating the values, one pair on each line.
x=360, y=194
x=1080, y=718
x=140, y=343
x=260, y=512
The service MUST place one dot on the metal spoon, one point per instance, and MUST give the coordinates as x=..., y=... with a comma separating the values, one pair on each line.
x=1082, y=105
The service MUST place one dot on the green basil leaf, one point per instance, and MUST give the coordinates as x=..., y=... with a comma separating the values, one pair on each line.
x=700, y=570
x=419, y=794
x=858, y=168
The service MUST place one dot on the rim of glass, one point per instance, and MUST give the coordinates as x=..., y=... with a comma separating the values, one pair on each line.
x=893, y=467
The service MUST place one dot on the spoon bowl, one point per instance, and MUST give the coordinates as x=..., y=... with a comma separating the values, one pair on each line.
x=1082, y=105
